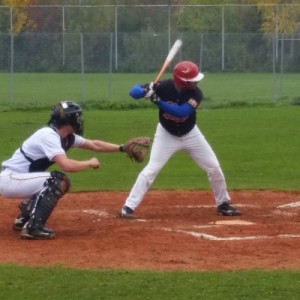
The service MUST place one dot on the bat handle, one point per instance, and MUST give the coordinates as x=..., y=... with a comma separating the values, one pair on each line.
x=160, y=74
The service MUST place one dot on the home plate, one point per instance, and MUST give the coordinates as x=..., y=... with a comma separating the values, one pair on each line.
x=232, y=222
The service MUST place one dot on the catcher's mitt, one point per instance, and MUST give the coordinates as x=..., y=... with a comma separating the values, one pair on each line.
x=137, y=148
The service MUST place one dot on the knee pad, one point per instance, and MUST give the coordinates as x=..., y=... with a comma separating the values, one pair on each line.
x=59, y=182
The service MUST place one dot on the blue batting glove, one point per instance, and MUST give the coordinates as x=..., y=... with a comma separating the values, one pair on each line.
x=137, y=92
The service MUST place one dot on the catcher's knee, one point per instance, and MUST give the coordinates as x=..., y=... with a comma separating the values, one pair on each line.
x=54, y=188
x=59, y=181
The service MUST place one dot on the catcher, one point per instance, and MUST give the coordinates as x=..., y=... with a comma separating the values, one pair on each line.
x=24, y=175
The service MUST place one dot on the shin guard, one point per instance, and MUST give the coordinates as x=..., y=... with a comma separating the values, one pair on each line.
x=55, y=187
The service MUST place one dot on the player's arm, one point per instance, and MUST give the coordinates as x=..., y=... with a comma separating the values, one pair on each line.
x=136, y=148
x=99, y=146
x=72, y=165
x=179, y=111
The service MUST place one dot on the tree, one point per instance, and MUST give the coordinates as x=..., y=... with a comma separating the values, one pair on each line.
x=278, y=15
x=20, y=20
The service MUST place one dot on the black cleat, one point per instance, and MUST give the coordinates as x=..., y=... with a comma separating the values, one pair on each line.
x=41, y=233
x=126, y=213
x=21, y=221
x=226, y=209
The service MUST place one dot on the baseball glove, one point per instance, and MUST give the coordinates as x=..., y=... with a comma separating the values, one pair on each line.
x=137, y=148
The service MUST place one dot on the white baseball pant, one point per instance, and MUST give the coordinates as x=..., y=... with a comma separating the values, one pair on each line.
x=164, y=146
x=21, y=185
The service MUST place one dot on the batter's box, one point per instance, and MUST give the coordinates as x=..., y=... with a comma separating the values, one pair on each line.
x=211, y=237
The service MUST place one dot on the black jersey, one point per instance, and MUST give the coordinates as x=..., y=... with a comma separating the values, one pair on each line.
x=167, y=92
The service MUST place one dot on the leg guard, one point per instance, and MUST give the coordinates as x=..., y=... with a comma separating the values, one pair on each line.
x=55, y=187
x=25, y=208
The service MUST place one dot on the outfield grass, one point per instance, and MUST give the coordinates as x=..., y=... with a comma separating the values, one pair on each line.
x=258, y=149
x=220, y=89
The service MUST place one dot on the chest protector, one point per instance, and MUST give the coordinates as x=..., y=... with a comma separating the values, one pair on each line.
x=42, y=164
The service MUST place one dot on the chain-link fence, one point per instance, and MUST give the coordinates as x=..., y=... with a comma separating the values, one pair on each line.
x=113, y=39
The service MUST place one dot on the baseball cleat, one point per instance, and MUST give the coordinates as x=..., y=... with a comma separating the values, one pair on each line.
x=42, y=233
x=126, y=213
x=226, y=209
x=19, y=222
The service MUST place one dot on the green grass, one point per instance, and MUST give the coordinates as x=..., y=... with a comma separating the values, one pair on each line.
x=257, y=147
x=220, y=89
x=59, y=283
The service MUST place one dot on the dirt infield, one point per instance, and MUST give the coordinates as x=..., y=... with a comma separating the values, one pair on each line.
x=174, y=230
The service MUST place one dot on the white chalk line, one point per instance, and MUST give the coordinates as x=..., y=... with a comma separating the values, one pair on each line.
x=284, y=213
x=100, y=213
x=214, y=206
x=104, y=213
x=292, y=204
x=233, y=238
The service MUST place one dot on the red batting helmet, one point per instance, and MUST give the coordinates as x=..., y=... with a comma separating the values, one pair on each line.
x=185, y=72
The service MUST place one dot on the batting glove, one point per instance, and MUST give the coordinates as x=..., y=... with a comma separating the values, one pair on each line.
x=150, y=93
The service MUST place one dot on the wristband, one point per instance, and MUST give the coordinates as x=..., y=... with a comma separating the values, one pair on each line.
x=122, y=148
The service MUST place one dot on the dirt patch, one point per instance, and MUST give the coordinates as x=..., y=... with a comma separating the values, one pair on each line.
x=174, y=230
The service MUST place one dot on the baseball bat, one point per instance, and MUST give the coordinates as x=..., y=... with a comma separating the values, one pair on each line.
x=175, y=48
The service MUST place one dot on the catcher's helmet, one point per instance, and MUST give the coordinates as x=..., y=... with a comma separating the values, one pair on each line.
x=67, y=113
x=185, y=72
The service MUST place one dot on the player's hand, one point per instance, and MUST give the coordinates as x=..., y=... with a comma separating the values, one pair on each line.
x=94, y=163
x=150, y=93
x=150, y=90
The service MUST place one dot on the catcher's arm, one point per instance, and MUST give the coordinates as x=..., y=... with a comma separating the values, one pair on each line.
x=135, y=148
x=99, y=146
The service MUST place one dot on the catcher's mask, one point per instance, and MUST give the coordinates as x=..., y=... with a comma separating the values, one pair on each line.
x=185, y=72
x=67, y=113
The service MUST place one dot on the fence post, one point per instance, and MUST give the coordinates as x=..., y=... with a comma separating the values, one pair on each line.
x=116, y=37
x=223, y=39
x=11, y=83
x=82, y=68
x=274, y=67
x=201, y=51
x=110, y=66
x=281, y=64
x=63, y=35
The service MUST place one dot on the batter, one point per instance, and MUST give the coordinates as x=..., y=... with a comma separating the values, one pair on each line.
x=177, y=100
